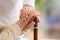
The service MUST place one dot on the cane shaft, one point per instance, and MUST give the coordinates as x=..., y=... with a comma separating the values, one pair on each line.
x=35, y=30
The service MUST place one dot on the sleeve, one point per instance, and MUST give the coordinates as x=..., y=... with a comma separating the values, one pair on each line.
x=29, y=2
x=1, y=24
x=9, y=32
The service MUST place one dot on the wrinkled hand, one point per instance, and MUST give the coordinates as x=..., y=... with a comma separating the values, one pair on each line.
x=27, y=17
x=26, y=24
x=25, y=11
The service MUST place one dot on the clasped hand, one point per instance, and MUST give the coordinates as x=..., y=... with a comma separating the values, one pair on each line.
x=27, y=17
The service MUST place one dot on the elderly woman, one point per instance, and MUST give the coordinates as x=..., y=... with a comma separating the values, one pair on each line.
x=12, y=24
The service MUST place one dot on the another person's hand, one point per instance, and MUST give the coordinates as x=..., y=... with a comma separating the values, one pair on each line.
x=26, y=24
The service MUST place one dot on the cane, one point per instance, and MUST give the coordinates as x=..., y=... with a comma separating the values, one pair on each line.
x=35, y=29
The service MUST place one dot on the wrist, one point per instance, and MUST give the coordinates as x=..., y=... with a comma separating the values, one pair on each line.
x=27, y=5
x=19, y=24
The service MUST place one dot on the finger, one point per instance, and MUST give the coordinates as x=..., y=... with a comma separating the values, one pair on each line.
x=20, y=16
x=29, y=20
x=31, y=14
x=26, y=14
x=23, y=14
x=21, y=11
x=38, y=13
x=38, y=18
x=29, y=25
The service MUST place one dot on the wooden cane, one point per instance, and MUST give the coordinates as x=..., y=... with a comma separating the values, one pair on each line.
x=35, y=29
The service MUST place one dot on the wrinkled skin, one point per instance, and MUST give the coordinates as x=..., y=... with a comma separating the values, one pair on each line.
x=27, y=18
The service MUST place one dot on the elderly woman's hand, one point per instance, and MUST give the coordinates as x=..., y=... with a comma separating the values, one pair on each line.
x=26, y=24
x=25, y=11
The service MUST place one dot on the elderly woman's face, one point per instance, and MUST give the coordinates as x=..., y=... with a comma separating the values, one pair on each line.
x=53, y=31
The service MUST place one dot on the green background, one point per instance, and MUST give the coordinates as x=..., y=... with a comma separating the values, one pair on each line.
x=41, y=5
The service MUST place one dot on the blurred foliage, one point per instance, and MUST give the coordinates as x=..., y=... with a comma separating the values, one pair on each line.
x=41, y=5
